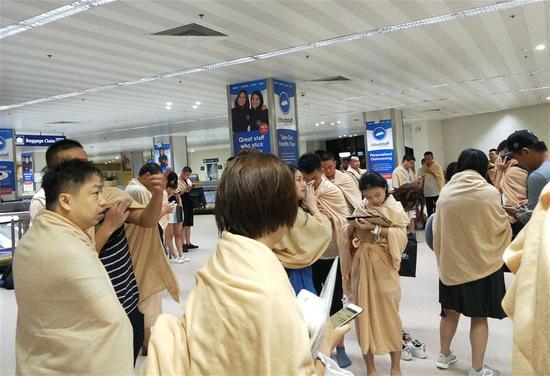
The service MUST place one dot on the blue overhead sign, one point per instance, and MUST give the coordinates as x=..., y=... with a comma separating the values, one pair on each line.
x=36, y=140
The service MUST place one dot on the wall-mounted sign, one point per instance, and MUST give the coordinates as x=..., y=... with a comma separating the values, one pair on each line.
x=210, y=160
x=285, y=118
x=7, y=164
x=380, y=147
x=28, y=172
x=36, y=140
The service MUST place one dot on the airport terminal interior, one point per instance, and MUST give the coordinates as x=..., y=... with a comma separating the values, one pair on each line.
x=187, y=114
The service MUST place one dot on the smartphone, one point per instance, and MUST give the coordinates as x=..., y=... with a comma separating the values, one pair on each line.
x=362, y=217
x=345, y=315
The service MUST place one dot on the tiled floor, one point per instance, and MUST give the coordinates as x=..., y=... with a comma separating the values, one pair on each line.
x=419, y=312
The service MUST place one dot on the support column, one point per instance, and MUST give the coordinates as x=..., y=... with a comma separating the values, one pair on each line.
x=179, y=152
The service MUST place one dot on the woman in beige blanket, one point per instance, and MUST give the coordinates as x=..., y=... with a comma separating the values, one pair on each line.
x=375, y=271
x=526, y=302
x=243, y=295
x=471, y=231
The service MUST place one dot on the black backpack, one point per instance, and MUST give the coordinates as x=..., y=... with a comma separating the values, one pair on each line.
x=7, y=276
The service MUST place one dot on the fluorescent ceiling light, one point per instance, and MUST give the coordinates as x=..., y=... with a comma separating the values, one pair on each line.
x=540, y=47
x=323, y=43
x=51, y=16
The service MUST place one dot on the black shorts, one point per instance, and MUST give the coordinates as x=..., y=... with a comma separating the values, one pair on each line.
x=187, y=209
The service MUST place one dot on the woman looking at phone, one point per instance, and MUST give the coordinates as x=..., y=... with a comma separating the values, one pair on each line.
x=174, y=228
x=243, y=295
x=375, y=271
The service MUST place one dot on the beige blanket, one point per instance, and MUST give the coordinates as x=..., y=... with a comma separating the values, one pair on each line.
x=305, y=242
x=401, y=176
x=470, y=230
x=332, y=203
x=527, y=301
x=375, y=278
x=241, y=318
x=350, y=189
x=70, y=321
x=152, y=270
x=436, y=171
x=513, y=185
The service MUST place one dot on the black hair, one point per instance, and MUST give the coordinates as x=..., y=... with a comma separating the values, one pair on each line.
x=187, y=169
x=293, y=169
x=451, y=170
x=259, y=94
x=371, y=180
x=409, y=158
x=473, y=159
x=171, y=180
x=410, y=195
x=503, y=145
x=247, y=104
x=61, y=145
x=309, y=163
x=428, y=153
x=151, y=168
x=326, y=156
x=491, y=150
x=67, y=176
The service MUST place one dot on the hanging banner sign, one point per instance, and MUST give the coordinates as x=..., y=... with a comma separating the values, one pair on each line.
x=7, y=164
x=381, y=154
x=36, y=140
x=28, y=172
x=285, y=117
x=162, y=156
x=249, y=116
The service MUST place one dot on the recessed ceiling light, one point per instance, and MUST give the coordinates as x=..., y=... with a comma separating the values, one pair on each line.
x=548, y=98
x=194, y=107
x=322, y=122
x=168, y=107
x=331, y=123
x=338, y=121
x=168, y=103
x=540, y=47
x=316, y=124
x=191, y=151
x=198, y=103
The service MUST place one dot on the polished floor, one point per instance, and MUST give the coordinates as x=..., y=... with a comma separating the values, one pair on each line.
x=419, y=312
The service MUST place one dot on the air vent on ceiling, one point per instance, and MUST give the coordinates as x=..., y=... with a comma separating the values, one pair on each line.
x=433, y=110
x=64, y=122
x=190, y=30
x=331, y=79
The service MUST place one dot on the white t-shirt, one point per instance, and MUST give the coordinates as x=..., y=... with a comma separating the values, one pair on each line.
x=38, y=203
x=431, y=188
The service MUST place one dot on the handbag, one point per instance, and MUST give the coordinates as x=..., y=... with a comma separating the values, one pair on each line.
x=179, y=214
x=408, y=258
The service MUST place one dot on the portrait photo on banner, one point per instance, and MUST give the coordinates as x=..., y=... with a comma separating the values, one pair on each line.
x=249, y=110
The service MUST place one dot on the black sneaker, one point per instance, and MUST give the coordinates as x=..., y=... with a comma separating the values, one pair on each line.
x=185, y=248
x=191, y=246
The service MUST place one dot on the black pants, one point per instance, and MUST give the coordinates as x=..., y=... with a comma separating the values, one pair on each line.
x=320, y=269
x=136, y=318
x=431, y=205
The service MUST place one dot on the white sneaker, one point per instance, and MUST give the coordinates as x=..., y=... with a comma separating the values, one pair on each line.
x=406, y=352
x=176, y=260
x=184, y=259
x=419, y=349
x=485, y=371
x=443, y=362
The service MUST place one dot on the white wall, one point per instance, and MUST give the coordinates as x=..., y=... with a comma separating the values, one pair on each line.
x=486, y=131
x=196, y=159
x=428, y=135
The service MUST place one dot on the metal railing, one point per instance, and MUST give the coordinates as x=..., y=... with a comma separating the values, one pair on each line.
x=18, y=223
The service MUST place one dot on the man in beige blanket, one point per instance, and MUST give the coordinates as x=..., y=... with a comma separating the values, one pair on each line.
x=434, y=180
x=344, y=181
x=332, y=204
x=526, y=301
x=152, y=270
x=354, y=169
x=69, y=320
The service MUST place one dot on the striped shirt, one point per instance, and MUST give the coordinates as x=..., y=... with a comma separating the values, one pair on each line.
x=116, y=259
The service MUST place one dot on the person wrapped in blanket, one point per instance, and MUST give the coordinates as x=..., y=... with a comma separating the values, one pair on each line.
x=411, y=197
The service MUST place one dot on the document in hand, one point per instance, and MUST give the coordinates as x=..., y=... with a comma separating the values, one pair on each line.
x=315, y=309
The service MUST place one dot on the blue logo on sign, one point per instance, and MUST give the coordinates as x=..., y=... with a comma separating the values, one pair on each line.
x=2, y=143
x=284, y=102
x=379, y=133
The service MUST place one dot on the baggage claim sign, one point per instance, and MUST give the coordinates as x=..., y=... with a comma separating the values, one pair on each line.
x=380, y=147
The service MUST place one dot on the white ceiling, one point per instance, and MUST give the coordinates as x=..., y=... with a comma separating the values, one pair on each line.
x=464, y=66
